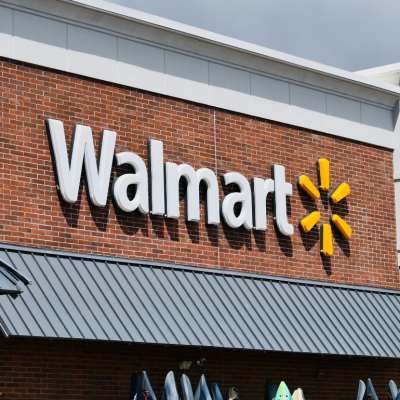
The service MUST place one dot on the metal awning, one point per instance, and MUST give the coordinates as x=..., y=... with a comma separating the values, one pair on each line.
x=78, y=296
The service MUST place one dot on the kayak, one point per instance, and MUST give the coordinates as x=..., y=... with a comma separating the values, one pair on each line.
x=135, y=385
x=187, y=391
x=361, y=390
x=370, y=392
x=270, y=390
x=393, y=391
x=298, y=394
x=283, y=392
x=215, y=392
x=170, y=392
x=145, y=390
x=202, y=392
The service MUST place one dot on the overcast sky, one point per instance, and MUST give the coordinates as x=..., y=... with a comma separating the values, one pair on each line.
x=348, y=34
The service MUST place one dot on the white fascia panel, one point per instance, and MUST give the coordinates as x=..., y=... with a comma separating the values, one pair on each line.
x=377, y=122
x=230, y=88
x=270, y=98
x=186, y=77
x=141, y=66
x=6, y=32
x=92, y=53
x=384, y=69
x=308, y=108
x=344, y=117
x=393, y=78
x=196, y=65
x=39, y=40
x=225, y=41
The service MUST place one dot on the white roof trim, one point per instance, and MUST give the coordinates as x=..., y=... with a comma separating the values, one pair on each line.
x=149, y=19
x=377, y=71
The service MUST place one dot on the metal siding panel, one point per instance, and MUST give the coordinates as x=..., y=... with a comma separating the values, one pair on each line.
x=207, y=309
x=103, y=295
x=375, y=340
x=78, y=293
x=352, y=318
x=47, y=299
x=93, y=298
x=353, y=335
x=299, y=335
x=83, y=284
x=307, y=318
x=18, y=311
x=392, y=334
x=14, y=322
x=219, y=310
x=279, y=322
x=390, y=302
x=113, y=293
x=273, y=336
x=34, y=314
x=59, y=298
x=378, y=324
x=166, y=308
x=195, y=309
x=299, y=312
x=395, y=301
x=6, y=283
x=247, y=336
x=133, y=320
x=324, y=320
x=173, y=304
x=145, y=294
x=338, y=328
x=145, y=323
x=236, y=295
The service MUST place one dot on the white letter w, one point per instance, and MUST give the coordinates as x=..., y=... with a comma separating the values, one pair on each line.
x=82, y=148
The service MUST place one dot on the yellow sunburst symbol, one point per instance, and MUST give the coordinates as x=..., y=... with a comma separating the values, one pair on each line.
x=338, y=193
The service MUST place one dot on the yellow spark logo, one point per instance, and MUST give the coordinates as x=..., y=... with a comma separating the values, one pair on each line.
x=338, y=193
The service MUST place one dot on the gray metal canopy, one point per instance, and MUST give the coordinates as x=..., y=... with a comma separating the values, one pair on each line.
x=77, y=296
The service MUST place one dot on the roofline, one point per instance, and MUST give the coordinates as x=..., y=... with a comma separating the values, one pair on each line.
x=209, y=270
x=383, y=70
x=231, y=43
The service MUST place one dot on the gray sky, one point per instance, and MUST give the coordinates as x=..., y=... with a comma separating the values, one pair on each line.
x=348, y=34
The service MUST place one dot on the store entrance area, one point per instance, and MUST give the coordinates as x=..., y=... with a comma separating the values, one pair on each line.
x=75, y=369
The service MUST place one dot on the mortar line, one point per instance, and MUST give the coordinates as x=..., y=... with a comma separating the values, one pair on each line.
x=216, y=174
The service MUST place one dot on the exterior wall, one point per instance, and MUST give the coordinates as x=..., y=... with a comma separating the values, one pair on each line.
x=32, y=214
x=105, y=41
x=332, y=114
x=60, y=369
x=102, y=40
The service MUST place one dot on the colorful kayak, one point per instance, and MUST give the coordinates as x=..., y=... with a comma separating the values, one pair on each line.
x=215, y=392
x=370, y=392
x=135, y=386
x=283, y=392
x=270, y=390
x=298, y=394
x=170, y=391
x=187, y=391
x=393, y=391
x=145, y=391
x=361, y=390
x=202, y=392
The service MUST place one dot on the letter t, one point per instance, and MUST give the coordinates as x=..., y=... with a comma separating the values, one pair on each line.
x=282, y=189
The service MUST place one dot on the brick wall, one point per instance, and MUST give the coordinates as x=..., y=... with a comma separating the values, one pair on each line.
x=32, y=214
x=60, y=369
